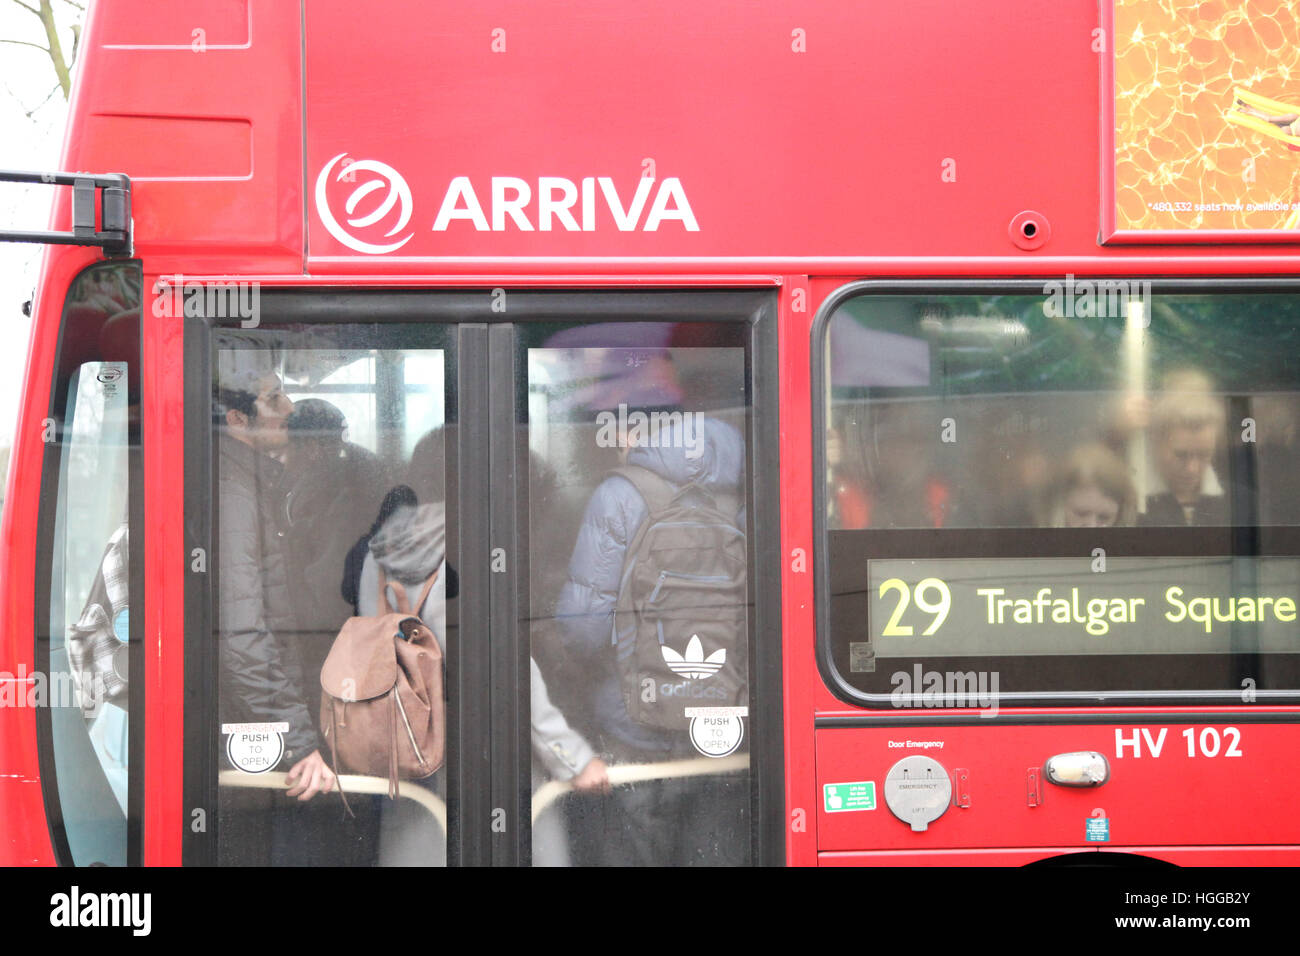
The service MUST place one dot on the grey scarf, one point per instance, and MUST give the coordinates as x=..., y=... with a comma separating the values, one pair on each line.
x=411, y=544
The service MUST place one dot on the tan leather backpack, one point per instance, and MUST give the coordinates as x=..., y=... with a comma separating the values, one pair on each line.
x=382, y=709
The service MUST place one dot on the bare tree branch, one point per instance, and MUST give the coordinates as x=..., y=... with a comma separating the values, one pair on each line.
x=31, y=111
x=56, y=50
x=35, y=46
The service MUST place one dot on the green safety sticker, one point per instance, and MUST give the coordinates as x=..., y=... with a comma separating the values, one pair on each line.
x=849, y=796
x=1098, y=830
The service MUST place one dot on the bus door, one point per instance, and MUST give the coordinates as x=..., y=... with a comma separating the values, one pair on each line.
x=88, y=708
x=582, y=493
x=70, y=688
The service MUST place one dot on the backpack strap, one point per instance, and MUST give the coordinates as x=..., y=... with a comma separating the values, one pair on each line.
x=424, y=593
x=399, y=592
x=383, y=607
x=334, y=756
x=656, y=491
x=727, y=504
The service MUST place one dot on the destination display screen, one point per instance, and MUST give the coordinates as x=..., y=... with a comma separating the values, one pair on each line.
x=1051, y=629
x=950, y=607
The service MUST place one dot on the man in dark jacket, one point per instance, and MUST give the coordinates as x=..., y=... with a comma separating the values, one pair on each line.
x=1187, y=424
x=262, y=679
x=331, y=491
x=676, y=821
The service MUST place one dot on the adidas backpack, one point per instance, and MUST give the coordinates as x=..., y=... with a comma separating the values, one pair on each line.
x=681, y=620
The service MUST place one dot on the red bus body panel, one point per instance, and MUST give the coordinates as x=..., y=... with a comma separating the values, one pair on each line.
x=1156, y=795
x=810, y=140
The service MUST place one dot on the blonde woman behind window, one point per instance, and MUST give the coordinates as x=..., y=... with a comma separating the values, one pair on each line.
x=1092, y=490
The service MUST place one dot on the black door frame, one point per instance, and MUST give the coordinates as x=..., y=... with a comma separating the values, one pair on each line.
x=488, y=790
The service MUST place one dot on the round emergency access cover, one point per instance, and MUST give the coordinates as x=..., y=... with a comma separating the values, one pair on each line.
x=918, y=791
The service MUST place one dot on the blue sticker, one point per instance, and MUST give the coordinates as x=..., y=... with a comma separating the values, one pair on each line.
x=122, y=625
x=1098, y=830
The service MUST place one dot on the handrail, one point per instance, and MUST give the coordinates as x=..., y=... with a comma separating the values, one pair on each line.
x=547, y=794
x=627, y=773
x=351, y=783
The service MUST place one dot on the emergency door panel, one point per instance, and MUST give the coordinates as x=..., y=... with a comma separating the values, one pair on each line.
x=1209, y=781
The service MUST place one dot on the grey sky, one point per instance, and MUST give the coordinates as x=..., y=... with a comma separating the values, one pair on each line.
x=26, y=79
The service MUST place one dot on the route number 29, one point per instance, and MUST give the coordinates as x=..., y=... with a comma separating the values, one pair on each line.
x=939, y=608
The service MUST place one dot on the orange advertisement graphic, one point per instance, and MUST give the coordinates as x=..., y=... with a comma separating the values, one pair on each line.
x=1207, y=115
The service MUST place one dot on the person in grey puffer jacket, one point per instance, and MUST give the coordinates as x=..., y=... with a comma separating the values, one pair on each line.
x=613, y=516
x=672, y=822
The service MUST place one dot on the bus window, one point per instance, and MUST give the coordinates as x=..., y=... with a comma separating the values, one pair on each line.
x=327, y=470
x=93, y=586
x=1088, y=490
x=639, y=596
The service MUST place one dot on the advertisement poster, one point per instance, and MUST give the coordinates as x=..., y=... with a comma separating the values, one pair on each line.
x=1203, y=140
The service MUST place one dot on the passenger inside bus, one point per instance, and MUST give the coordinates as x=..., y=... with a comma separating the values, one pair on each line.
x=408, y=542
x=892, y=474
x=1277, y=420
x=331, y=487
x=1021, y=389
x=297, y=496
x=410, y=548
x=1092, y=490
x=847, y=503
x=97, y=651
x=676, y=820
x=1185, y=439
x=313, y=506
x=262, y=675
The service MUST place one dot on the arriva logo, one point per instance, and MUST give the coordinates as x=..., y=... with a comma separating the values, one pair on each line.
x=399, y=193
x=550, y=203
x=557, y=199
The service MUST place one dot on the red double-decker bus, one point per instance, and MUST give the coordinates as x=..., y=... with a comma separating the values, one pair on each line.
x=829, y=435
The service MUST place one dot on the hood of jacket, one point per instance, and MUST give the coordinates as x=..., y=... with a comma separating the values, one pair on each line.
x=710, y=453
x=412, y=542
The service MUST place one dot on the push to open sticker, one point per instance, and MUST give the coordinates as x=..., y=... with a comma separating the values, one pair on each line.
x=254, y=748
x=717, y=731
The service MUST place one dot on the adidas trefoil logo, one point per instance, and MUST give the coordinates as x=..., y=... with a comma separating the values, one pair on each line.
x=694, y=665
